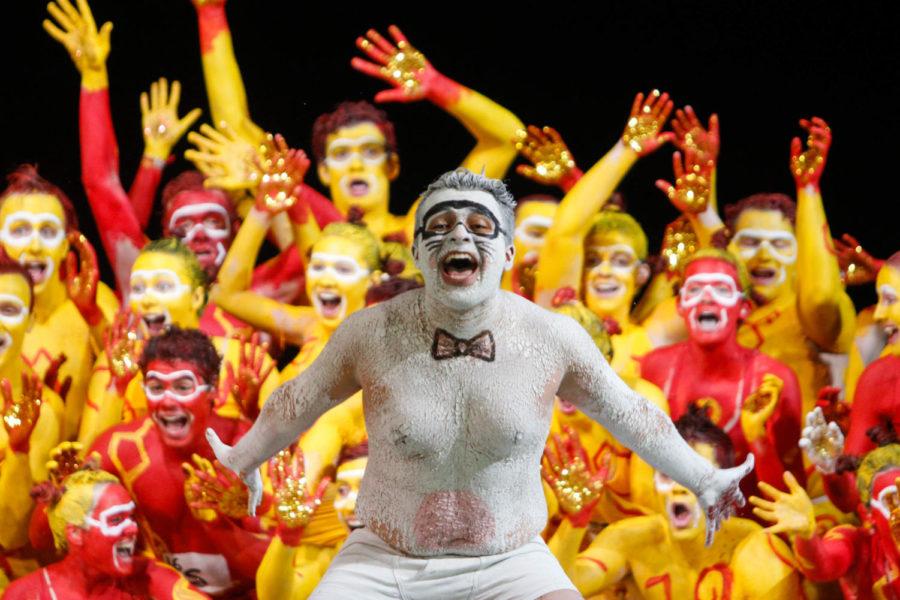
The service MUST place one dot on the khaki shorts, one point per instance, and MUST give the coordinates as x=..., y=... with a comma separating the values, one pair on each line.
x=366, y=567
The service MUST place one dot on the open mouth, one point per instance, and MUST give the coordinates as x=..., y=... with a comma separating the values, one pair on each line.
x=123, y=552
x=176, y=425
x=155, y=323
x=459, y=268
x=37, y=269
x=681, y=514
x=358, y=187
x=892, y=332
x=566, y=408
x=329, y=304
x=764, y=275
x=607, y=288
x=708, y=320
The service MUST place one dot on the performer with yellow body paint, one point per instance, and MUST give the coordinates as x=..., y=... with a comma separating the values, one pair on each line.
x=168, y=287
x=664, y=553
x=35, y=218
x=355, y=146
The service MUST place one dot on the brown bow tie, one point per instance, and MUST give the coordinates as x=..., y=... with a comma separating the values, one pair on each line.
x=447, y=346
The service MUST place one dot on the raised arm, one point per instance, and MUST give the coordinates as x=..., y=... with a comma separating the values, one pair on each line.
x=413, y=78
x=295, y=405
x=825, y=309
x=224, y=85
x=573, y=220
x=590, y=384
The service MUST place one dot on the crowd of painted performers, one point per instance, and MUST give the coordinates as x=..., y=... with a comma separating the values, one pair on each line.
x=743, y=333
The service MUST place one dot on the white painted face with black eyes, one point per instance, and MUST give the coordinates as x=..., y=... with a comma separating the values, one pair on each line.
x=461, y=247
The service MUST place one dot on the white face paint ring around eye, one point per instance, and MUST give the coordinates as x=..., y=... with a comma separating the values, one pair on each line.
x=168, y=377
x=887, y=295
x=619, y=270
x=709, y=281
x=148, y=276
x=522, y=234
x=192, y=210
x=767, y=237
x=13, y=320
x=103, y=523
x=663, y=484
x=36, y=220
x=353, y=146
x=359, y=272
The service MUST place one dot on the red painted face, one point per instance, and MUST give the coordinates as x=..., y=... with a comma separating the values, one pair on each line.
x=179, y=400
x=204, y=222
x=885, y=505
x=711, y=301
x=108, y=538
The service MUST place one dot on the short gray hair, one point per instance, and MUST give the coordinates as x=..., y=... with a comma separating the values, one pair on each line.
x=463, y=179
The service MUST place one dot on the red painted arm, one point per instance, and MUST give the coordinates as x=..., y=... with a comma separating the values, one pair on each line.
x=828, y=557
x=783, y=431
x=321, y=207
x=876, y=396
x=143, y=189
x=119, y=228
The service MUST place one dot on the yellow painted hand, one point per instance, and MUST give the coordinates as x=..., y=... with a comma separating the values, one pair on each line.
x=21, y=415
x=545, y=149
x=575, y=479
x=211, y=490
x=159, y=119
x=691, y=191
x=679, y=242
x=76, y=30
x=294, y=504
x=227, y=160
x=789, y=512
x=122, y=344
x=691, y=135
x=283, y=169
x=65, y=459
x=643, y=132
x=759, y=406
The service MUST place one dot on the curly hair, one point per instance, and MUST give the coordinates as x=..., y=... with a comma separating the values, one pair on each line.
x=766, y=201
x=189, y=345
x=26, y=180
x=346, y=114
x=695, y=426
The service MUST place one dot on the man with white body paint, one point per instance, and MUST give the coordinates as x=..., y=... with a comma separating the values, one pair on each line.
x=458, y=382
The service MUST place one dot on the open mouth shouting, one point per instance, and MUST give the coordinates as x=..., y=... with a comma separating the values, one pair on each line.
x=156, y=323
x=38, y=269
x=175, y=423
x=328, y=303
x=123, y=553
x=459, y=268
x=891, y=331
x=682, y=514
x=763, y=276
x=709, y=319
x=607, y=288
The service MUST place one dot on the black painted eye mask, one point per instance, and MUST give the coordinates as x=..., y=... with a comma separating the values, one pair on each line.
x=447, y=205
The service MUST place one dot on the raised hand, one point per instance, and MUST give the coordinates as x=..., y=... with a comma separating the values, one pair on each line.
x=294, y=504
x=405, y=68
x=833, y=407
x=159, y=119
x=545, y=149
x=823, y=442
x=721, y=494
x=65, y=459
x=227, y=160
x=245, y=384
x=575, y=480
x=211, y=490
x=643, y=132
x=691, y=191
x=789, y=512
x=76, y=30
x=858, y=267
x=251, y=478
x=52, y=380
x=759, y=406
x=122, y=345
x=82, y=277
x=679, y=242
x=690, y=135
x=20, y=415
x=282, y=171
x=807, y=166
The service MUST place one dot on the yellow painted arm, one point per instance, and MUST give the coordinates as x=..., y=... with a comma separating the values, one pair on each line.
x=340, y=427
x=15, y=499
x=287, y=572
x=602, y=565
x=494, y=128
x=763, y=567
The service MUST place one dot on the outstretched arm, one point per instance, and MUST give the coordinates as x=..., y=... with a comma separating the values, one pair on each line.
x=826, y=312
x=295, y=405
x=590, y=384
x=224, y=85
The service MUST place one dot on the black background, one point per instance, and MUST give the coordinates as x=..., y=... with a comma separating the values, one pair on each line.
x=760, y=65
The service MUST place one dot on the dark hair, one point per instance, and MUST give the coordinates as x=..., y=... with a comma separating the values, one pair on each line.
x=189, y=345
x=10, y=266
x=190, y=181
x=346, y=114
x=696, y=426
x=766, y=201
x=26, y=180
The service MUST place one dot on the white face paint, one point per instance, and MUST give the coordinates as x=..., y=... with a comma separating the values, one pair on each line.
x=13, y=312
x=461, y=247
x=523, y=230
x=162, y=284
x=186, y=388
x=621, y=259
x=721, y=288
x=103, y=522
x=342, y=268
x=781, y=245
x=368, y=149
x=186, y=232
x=21, y=228
x=888, y=500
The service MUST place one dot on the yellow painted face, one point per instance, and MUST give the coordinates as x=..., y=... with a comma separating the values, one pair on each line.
x=33, y=232
x=612, y=274
x=764, y=241
x=887, y=312
x=161, y=292
x=337, y=279
x=347, y=479
x=358, y=168
x=15, y=315
x=533, y=219
x=679, y=505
